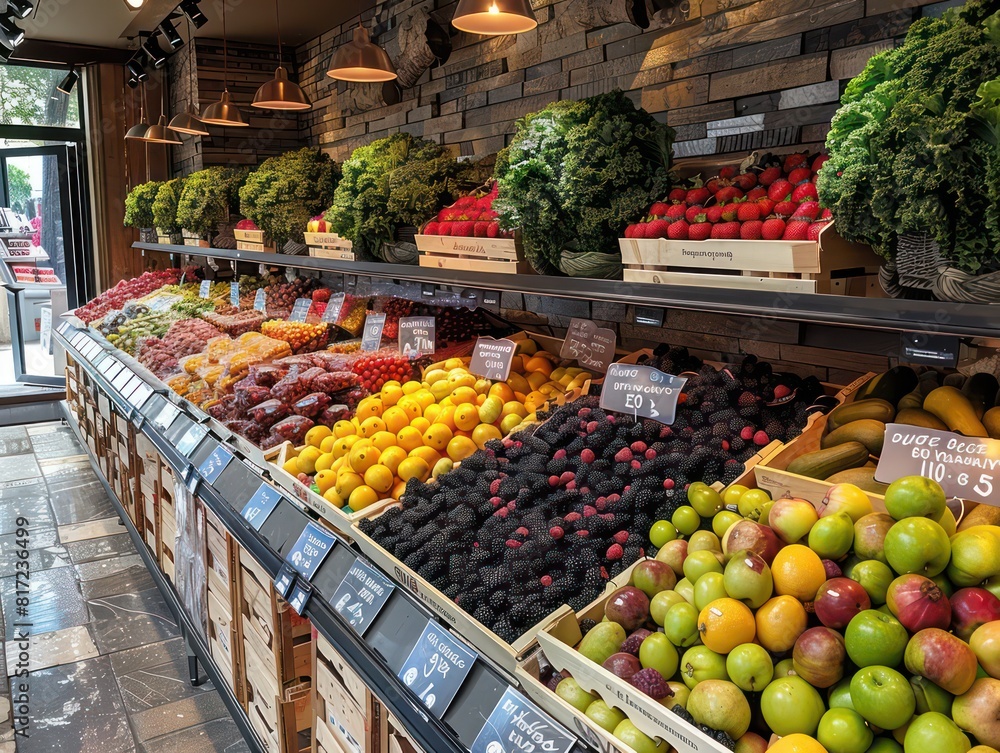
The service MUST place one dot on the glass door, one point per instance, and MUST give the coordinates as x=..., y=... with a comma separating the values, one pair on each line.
x=41, y=235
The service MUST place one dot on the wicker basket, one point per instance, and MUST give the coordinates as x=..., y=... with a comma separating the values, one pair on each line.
x=920, y=270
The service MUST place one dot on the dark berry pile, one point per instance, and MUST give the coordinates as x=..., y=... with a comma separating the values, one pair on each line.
x=719, y=736
x=547, y=516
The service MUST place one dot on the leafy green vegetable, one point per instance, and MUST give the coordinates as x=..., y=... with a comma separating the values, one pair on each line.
x=575, y=174
x=165, y=205
x=396, y=181
x=285, y=191
x=139, y=205
x=208, y=197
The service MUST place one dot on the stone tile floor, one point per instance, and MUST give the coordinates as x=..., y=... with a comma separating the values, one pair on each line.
x=108, y=670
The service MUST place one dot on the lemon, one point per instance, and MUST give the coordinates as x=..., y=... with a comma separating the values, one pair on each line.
x=363, y=458
x=347, y=482
x=379, y=478
x=435, y=375
x=398, y=489
x=383, y=440
x=410, y=387
x=466, y=417
x=420, y=424
x=343, y=446
x=460, y=448
x=518, y=383
x=324, y=462
x=392, y=391
x=509, y=423
x=409, y=437
x=306, y=461
x=396, y=418
x=461, y=395
x=490, y=410
x=372, y=425
x=446, y=417
x=413, y=468
x=344, y=429
x=327, y=444
x=291, y=466
x=411, y=406
x=391, y=457
x=325, y=480
x=424, y=398
x=370, y=406
x=437, y=437
x=484, y=433
x=440, y=390
x=431, y=412
x=331, y=496
x=315, y=436
x=362, y=497
x=442, y=466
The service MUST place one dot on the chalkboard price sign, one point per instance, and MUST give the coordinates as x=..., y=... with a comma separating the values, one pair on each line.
x=436, y=667
x=492, y=358
x=591, y=346
x=416, y=336
x=371, y=337
x=641, y=391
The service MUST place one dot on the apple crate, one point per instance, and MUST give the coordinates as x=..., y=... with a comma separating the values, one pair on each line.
x=771, y=475
x=831, y=265
x=329, y=246
x=492, y=255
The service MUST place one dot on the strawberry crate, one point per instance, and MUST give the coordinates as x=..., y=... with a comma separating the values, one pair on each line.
x=329, y=246
x=492, y=255
x=831, y=265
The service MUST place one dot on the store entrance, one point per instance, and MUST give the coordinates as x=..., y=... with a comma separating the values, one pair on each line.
x=41, y=234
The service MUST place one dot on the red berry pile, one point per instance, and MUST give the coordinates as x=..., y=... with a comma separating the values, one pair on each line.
x=125, y=291
x=469, y=217
x=775, y=200
x=375, y=369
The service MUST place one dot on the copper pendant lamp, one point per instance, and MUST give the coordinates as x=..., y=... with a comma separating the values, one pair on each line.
x=494, y=17
x=188, y=122
x=138, y=131
x=279, y=93
x=362, y=61
x=160, y=134
x=224, y=112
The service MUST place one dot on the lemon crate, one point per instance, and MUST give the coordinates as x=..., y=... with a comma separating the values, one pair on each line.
x=493, y=255
x=831, y=265
x=329, y=246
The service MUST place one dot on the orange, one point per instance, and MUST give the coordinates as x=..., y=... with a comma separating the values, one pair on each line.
x=343, y=445
x=780, y=621
x=796, y=743
x=514, y=408
x=384, y=440
x=414, y=468
x=518, y=383
x=391, y=457
x=347, y=482
x=325, y=480
x=392, y=391
x=798, y=571
x=446, y=417
x=420, y=424
x=344, y=429
x=538, y=363
x=462, y=395
x=460, y=448
x=363, y=458
x=379, y=478
x=306, y=461
x=371, y=426
x=331, y=496
x=502, y=391
x=484, y=433
x=396, y=418
x=410, y=406
x=431, y=412
x=726, y=623
x=327, y=444
x=467, y=417
x=438, y=436
x=362, y=497
x=398, y=489
x=370, y=406
x=428, y=454
x=324, y=462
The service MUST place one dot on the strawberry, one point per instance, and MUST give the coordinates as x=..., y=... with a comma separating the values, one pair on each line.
x=794, y=160
x=728, y=194
x=819, y=162
x=431, y=228
x=751, y=231
x=676, y=212
x=714, y=214
x=827, y=214
x=730, y=212
x=766, y=206
x=465, y=202
x=785, y=208
x=805, y=192
x=630, y=231
x=444, y=228
x=713, y=186
x=726, y=231
x=678, y=231
x=769, y=175
x=756, y=193
x=700, y=231
x=493, y=230
x=466, y=229
x=657, y=229
x=780, y=190
x=799, y=175
x=695, y=214
x=659, y=209
x=772, y=230
x=677, y=195
x=748, y=212
x=727, y=173
x=814, y=230
x=698, y=196
x=639, y=230
x=481, y=229
x=807, y=209
x=796, y=231
x=745, y=181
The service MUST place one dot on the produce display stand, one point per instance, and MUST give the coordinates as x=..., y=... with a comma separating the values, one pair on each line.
x=134, y=405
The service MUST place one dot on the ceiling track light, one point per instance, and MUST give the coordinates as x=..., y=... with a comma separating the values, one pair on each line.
x=154, y=54
x=279, y=93
x=170, y=34
x=361, y=60
x=494, y=17
x=134, y=5
x=10, y=33
x=67, y=84
x=133, y=83
x=135, y=68
x=193, y=12
x=20, y=8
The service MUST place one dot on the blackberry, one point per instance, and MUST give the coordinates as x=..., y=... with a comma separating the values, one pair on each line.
x=586, y=624
x=485, y=615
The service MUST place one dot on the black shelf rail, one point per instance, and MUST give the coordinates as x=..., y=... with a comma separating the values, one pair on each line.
x=893, y=314
x=424, y=728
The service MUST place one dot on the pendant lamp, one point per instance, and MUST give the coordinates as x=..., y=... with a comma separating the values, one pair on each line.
x=362, y=61
x=160, y=134
x=188, y=122
x=494, y=17
x=224, y=112
x=138, y=131
x=279, y=93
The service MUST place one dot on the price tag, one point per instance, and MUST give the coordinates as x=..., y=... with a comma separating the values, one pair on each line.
x=213, y=466
x=313, y=544
x=300, y=310
x=333, y=307
x=516, y=724
x=965, y=467
x=492, y=358
x=205, y=289
x=649, y=316
x=141, y=395
x=284, y=580
x=234, y=294
x=301, y=592
x=371, y=339
x=260, y=300
x=361, y=595
x=191, y=480
x=166, y=416
x=427, y=290
x=416, y=336
x=642, y=391
x=260, y=506
x=121, y=380
x=592, y=346
x=490, y=299
x=191, y=438
x=436, y=668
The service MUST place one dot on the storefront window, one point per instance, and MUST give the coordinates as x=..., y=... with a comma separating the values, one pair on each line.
x=28, y=97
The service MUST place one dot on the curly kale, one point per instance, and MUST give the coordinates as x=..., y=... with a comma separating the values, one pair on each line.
x=139, y=204
x=208, y=197
x=575, y=174
x=165, y=205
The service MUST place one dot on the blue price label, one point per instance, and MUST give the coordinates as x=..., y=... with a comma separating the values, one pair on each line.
x=205, y=289
x=301, y=592
x=361, y=595
x=260, y=300
x=300, y=310
x=284, y=580
x=234, y=294
x=516, y=724
x=260, y=506
x=311, y=548
x=436, y=668
x=213, y=466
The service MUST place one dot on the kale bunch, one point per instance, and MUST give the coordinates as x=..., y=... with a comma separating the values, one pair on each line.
x=208, y=197
x=168, y=195
x=139, y=205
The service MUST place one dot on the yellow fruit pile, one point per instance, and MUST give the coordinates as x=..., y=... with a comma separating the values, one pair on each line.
x=419, y=429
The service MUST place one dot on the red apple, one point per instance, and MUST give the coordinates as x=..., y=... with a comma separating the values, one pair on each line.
x=838, y=600
x=970, y=608
x=943, y=659
x=818, y=657
x=918, y=603
x=792, y=518
x=976, y=711
x=758, y=538
x=674, y=553
x=629, y=607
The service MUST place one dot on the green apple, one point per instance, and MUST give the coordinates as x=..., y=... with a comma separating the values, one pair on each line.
x=875, y=638
x=874, y=576
x=748, y=578
x=915, y=496
x=731, y=495
x=681, y=625
x=570, y=691
x=700, y=562
x=975, y=555
x=660, y=605
x=919, y=545
x=832, y=536
x=882, y=696
x=709, y=587
x=686, y=520
x=885, y=745
x=790, y=704
x=604, y=716
x=629, y=734
x=662, y=532
x=700, y=663
x=785, y=668
x=844, y=731
x=750, y=667
x=704, y=499
x=930, y=697
x=846, y=498
x=935, y=732
x=657, y=652
x=722, y=521
x=752, y=504
x=685, y=588
x=679, y=693
x=702, y=540
x=839, y=696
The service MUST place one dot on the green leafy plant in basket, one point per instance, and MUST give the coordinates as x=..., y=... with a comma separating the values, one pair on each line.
x=575, y=174
x=139, y=205
x=208, y=198
x=284, y=192
x=165, y=205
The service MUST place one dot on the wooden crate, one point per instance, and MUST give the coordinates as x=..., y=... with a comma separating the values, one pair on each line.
x=168, y=542
x=493, y=255
x=223, y=638
x=393, y=737
x=772, y=476
x=329, y=246
x=343, y=703
x=832, y=265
